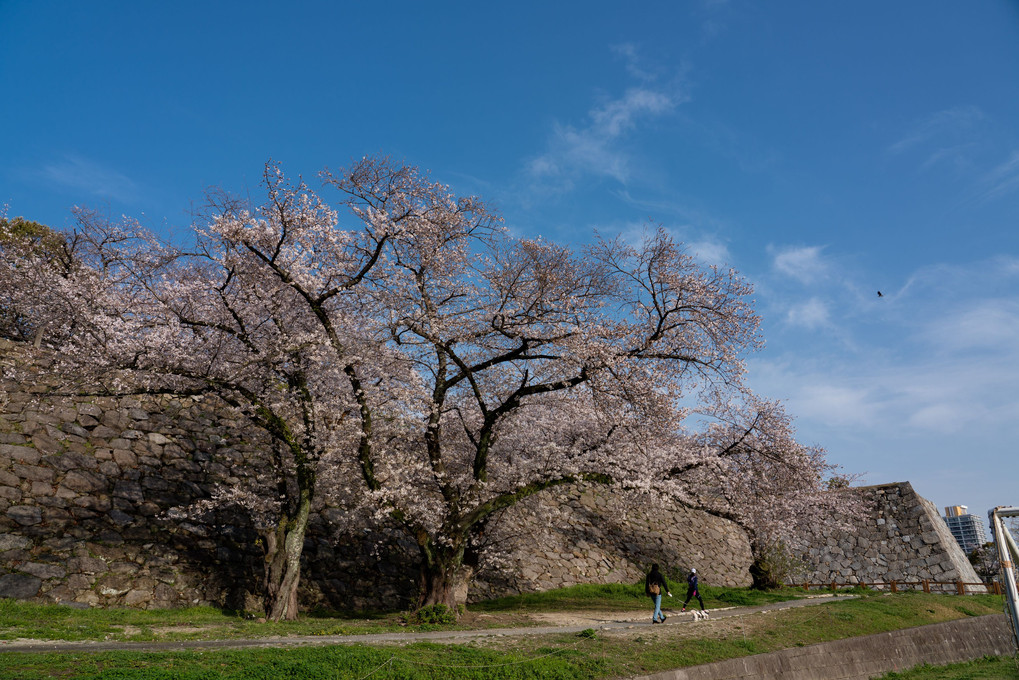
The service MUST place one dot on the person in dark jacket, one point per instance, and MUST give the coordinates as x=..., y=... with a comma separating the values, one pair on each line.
x=692, y=590
x=654, y=585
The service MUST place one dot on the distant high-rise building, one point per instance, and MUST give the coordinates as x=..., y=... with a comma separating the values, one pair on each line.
x=968, y=529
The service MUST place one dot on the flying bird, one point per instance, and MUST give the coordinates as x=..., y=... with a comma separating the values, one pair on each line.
x=880, y=294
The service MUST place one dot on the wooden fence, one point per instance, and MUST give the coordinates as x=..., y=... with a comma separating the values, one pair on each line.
x=927, y=585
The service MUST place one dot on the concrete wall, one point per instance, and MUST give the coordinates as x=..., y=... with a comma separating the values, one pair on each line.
x=864, y=657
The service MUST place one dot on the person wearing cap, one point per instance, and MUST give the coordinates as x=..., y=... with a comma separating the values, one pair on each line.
x=692, y=590
x=654, y=585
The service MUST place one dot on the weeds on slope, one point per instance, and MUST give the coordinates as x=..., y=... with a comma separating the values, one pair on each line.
x=591, y=654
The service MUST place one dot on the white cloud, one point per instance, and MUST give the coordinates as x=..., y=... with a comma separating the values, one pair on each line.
x=840, y=404
x=596, y=148
x=706, y=251
x=83, y=175
x=956, y=154
x=963, y=138
x=890, y=399
x=962, y=284
x=942, y=124
x=635, y=65
x=592, y=149
x=814, y=395
x=616, y=117
x=1003, y=179
x=923, y=381
x=1008, y=266
x=803, y=264
x=580, y=152
x=983, y=325
x=710, y=252
x=941, y=417
x=811, y=314
x=635, y=233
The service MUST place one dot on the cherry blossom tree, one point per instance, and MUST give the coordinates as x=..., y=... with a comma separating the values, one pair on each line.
x=423, y=365
x=23, y=314
x=783, y=494
x=534, y=367
x=222, y=316
x=258, y=311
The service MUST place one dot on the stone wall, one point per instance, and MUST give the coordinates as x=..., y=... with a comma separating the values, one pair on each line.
x=86, y=485
x=598, y=536
x=903, y=538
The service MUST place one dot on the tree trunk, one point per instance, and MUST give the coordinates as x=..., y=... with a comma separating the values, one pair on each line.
x=437, y=587
x=444, y=577
x=283, y=548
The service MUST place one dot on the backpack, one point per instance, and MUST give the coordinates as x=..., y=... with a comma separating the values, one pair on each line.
x=654, y=589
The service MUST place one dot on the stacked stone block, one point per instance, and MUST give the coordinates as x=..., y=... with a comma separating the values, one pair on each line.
x=597, y=535
x=88, y=485
x=85, y=486
x=901, y=538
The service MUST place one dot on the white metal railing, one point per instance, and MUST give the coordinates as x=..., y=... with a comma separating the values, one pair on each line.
x=1008, y=555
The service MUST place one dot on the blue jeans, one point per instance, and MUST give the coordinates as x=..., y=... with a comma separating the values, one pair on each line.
x=657, y=616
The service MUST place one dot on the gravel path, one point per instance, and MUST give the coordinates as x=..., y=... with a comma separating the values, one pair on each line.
x=569, y=622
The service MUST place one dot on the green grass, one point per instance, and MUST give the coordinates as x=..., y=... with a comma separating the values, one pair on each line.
x=987, y=668
x=598, y=654
x=767, y=632
x=57, y=622
x=619, y=596
x=417, y=661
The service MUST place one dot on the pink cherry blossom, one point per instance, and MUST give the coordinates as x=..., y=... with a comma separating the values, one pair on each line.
x=413, y=363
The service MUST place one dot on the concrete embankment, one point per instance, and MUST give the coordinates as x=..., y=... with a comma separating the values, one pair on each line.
x=864, y=657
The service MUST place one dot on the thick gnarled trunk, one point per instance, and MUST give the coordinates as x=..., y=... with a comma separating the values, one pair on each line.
x=437, y=587
x=283, y=547
x=445, y=579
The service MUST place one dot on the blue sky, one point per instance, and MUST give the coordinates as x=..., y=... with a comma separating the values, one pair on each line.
x=825, y=150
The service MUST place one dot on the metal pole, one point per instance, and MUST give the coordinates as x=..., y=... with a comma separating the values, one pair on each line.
x=1007, y=552
x=1012, y=546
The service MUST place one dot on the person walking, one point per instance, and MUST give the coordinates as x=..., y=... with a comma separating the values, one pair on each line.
x=654, y=585
x=692, y=591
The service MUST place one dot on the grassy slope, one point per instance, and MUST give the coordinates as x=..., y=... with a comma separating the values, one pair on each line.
x=596, y=655
x=56, y=622
x=988, y=668
x=673, y=647
x=626, y=597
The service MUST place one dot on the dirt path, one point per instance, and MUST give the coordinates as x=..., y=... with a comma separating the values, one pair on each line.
x=557, y=623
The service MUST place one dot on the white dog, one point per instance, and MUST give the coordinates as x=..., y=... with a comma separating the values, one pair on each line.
x=699, y=615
